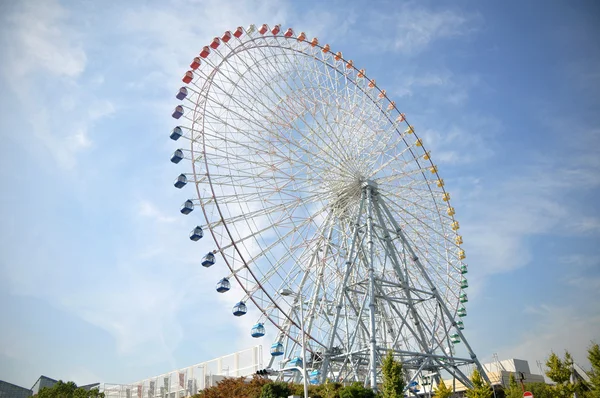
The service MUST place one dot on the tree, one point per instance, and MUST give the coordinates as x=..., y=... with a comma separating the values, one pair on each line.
x=68, y=390
x=327, y=390
x=277, y=389
x=514, y=390
x=235, y=388
x=594, y=358
x=356, y=390
x=559, y=371
x=480, y=388
x=393, y=377
x=442, y=390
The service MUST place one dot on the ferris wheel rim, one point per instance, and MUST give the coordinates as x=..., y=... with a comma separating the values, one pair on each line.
x=229, y=232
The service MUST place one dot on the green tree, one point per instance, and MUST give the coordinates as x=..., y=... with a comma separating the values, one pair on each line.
x=68, y=390
x=514, y=390
x=541, y=390
x=442, y=390
x=480, y=388
x=393, y=377
x=327, y=390
x=594, y=358
x=277, y=389
x=559, y=371
x=356, y=390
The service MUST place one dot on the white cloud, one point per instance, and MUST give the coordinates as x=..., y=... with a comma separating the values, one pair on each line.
x=411, y=28
x=41, y=41
x=557, y=328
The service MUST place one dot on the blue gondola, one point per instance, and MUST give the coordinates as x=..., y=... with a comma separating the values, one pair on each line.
x=187, y=207
x=180, y=181
x=177, y=112
x=177, y=156
x=240, y=309
x=208, y=260
x=223, y=285
x=176, y=133
x=296, y=361
x=314, y=376
x=183, y=92
x=196, y=234
x=276, y=349
x=258, y=330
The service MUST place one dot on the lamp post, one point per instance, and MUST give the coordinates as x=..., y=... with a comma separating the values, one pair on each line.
x=288, y=292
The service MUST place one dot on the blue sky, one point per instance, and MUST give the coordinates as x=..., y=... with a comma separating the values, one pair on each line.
x=98, y=279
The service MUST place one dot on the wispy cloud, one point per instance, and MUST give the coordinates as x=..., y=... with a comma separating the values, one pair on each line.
x=556, y=328
x=42, y=41
x=411, y=28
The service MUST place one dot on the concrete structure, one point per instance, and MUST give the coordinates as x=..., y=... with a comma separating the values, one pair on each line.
x=499, y=373
x=42, y=381
x=9, y=390
x=188, y=381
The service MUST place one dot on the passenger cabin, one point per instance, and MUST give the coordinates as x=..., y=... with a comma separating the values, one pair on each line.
x=240, y=309
x=226, y=37
x=276, y=349
x=464, y=284
x=208, y=260
x=181, y=181
x=455, y=338
x=177, y=156
x=196, y=63
x=196, y=234
x=205, y=51
x=296, y=361
x=183, y=92
x=188, y=77
x=258, y=330
x=460, y=325
x=187, y=207
x=176, y=133
x=223, y=285
x=178, y=112
x=463, y=298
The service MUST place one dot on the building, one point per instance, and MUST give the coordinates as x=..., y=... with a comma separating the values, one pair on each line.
x=188, y=381
x=9, y=390
x=42, y=381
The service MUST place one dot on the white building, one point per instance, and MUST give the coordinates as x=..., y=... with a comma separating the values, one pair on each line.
x=188, y=381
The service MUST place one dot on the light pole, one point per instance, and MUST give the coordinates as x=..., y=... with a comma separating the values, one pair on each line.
x=288, y=292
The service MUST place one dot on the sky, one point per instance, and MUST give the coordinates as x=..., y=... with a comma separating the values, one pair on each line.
x=98, y=279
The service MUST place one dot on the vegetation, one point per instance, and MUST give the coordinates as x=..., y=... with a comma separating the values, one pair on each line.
x=393, y=377
x=594, y=358
x=68, y=390
x=480, y=388
x=442, y=390
x=393, y=385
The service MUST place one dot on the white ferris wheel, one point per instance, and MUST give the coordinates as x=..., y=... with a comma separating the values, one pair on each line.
x=324, y=206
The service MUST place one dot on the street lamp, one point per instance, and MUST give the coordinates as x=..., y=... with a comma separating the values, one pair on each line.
x=288, y=292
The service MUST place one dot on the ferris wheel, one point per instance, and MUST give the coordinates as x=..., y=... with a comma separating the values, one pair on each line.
x=324, y=206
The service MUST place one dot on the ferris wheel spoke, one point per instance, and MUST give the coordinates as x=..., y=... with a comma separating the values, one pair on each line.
x=286, y=137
